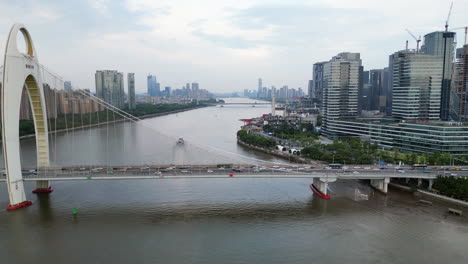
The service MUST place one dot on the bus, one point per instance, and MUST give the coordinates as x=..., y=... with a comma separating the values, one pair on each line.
x=335, y=166
x=419, y=166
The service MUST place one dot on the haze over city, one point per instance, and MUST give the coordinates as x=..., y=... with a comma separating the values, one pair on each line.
x=223, y=45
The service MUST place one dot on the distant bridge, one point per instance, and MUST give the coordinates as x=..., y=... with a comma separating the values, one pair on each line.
x=255, y=103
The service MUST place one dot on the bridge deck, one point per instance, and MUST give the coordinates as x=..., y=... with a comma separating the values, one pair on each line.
x=203, y=172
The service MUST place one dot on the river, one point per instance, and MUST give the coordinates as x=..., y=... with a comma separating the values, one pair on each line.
x=213, y=221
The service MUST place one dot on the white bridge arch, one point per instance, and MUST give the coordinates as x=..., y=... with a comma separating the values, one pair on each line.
x=22, y=70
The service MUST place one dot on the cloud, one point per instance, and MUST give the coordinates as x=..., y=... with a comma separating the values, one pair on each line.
x=220, y=44
x=100, y=5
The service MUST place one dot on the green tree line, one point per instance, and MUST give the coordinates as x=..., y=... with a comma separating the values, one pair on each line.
x=346, y=151
x=304, y=133
x=452, y=186
x=256, y=140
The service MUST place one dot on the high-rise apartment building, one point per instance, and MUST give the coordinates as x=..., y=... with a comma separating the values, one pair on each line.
x=417, y=82
x=131, y=91
x=110, y=87
x=341, y=80
x=443, y=44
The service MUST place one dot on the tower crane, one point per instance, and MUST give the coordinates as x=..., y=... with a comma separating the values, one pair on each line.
x=448, y=17
x=417, y=40
x=458, y=28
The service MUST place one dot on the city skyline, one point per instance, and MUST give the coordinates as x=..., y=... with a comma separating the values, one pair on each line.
x=187, y=43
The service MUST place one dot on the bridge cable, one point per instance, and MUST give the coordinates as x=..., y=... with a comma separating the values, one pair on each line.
x=135, y=119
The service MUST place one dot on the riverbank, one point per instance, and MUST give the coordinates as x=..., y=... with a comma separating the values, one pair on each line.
x=431, y=195
x=278, y=154
x=119, y=120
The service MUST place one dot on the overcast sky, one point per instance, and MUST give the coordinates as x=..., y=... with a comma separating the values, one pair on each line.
x=223, y=45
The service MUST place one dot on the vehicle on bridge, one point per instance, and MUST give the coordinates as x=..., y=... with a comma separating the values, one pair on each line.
x=419, y=166
x=335, y=166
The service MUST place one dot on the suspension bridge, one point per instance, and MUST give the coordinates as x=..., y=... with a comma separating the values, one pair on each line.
x=23, y=70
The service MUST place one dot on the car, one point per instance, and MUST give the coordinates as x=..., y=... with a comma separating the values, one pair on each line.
x=311, y=167
x=401, y=171
x=453, y=174
x=345, y=168
x=328, y=168
x=300, y=168
x=236, y=170
x=82, y=169
x=355, y=172
x=157, y=172
x=357, y=167
x=376, y=169
x=184, y=171
x=367, y=168
x=209, y=171
x=275, y=166
x=145, y=168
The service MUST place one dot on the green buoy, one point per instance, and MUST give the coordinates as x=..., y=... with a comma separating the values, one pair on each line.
x=88, y=177
x=75, y=211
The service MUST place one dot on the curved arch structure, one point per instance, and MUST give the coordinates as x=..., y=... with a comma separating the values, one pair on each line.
x=22, y=70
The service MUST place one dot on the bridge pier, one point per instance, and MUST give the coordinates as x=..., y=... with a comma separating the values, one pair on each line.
x=43, y=187
x=419, y=182
x=320, y=186
x=381, y=184
x=429, y=186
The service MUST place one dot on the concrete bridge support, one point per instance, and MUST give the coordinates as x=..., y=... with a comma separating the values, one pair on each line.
x=429, y=186
x=381, y=185
x=320, y=186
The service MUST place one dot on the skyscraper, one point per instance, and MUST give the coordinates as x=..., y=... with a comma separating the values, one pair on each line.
x=131, y=90
x=459, y=106
x=110, y=87
x=341, y=80
x=153, y=86
x=417, y=82
x=441, y=43
x=67, y=86
x=310, y=89
x=167, y=91
x=260, y=85
x=318, y=80
x=376, y=90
